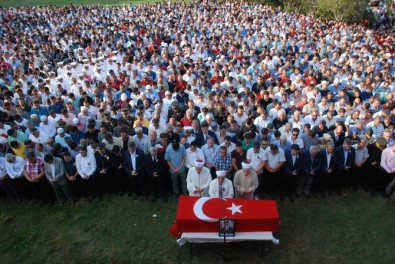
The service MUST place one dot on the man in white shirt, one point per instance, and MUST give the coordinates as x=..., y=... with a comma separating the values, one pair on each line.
x=47, y=127
x=38, y=136
x=256, y=157
x=193, y=153
x=86, y=167
x=275, y=159
x=221, y=187
x=198, y=179
x=6, y=183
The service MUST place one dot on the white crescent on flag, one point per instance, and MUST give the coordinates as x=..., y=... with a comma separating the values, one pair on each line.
x=198, y=210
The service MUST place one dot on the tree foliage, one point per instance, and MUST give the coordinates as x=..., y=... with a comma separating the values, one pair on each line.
x=345, y=10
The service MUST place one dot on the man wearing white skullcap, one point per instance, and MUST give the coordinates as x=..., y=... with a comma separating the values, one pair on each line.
x=198, y=179
x=221, y=187
x=245, y=182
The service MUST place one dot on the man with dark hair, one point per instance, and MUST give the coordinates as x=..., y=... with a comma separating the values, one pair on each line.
x=34, y=171
x=205, y=133
x=223, y=162
x=293, y=169
x=345, y=155
x=329, y=166
x=275, y=160
x=175, y=157
x=55, y=173
x=133, y=162
x=86, y=167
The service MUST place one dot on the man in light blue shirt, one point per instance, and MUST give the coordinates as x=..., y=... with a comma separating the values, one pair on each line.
x=175, y=156
x=210, y=152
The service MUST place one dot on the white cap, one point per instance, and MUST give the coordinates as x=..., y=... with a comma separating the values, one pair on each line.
x=246, y=165
x=220, y=173
x=76, y=121
x=124, y=97
x=43, y=118
x=199, y=163
x=60, y=130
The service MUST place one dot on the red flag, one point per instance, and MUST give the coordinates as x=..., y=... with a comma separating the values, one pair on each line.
x=197, y=214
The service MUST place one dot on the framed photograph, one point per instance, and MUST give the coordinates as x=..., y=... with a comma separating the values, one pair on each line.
x=227, y=227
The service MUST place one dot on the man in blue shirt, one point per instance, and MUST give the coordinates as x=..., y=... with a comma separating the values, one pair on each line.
x=175, y=157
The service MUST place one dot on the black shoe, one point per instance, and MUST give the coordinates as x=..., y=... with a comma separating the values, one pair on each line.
x=291, y=198
x=282, y=198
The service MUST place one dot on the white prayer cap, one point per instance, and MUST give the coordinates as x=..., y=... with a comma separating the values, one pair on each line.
x=76, y=121
x=43, y=118
x=199, y=163
x=124, y=97
x=60, y=130
x=220, y=173
x=84, y=108
x=246, y=165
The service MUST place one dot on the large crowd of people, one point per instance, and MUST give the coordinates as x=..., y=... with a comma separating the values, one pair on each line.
x=208, y=98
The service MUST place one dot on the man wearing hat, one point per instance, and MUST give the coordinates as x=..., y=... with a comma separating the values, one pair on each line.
x=245, y=182
x=176, y=111
x=221, y=187
x=48, y=127
x=61, y=137
x=198, y=179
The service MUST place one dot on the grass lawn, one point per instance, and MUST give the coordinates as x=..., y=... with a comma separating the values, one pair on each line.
x=356, y=228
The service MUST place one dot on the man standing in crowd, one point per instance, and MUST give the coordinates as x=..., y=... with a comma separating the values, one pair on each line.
x=245, y=182
x=221, y=187
x=198, y=180
x=86, y=167
x=175, y=157
x=133, y=162
x=55, y=173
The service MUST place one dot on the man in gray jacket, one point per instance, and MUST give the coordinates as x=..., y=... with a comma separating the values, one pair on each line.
x=55, y=173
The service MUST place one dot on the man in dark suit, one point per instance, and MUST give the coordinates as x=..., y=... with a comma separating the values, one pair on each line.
x=338, y=135
x=195, y=109
x=311, y=168
x=202, y=137
x=155, y=167
x=293, y=48
x=133, y=162
x=328, y=168
x=345, y=155
x=102, y=169
x=292, y=172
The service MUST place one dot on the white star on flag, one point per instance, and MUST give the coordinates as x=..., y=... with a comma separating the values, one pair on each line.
x=235, y=209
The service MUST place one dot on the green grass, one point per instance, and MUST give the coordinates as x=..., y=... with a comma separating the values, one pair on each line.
x=9, y=3
x=351, y=229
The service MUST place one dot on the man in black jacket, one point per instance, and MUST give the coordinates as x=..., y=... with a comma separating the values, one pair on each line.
x=155, y=167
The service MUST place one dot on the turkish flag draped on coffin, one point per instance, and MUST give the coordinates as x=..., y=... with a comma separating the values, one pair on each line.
x=197, y=214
